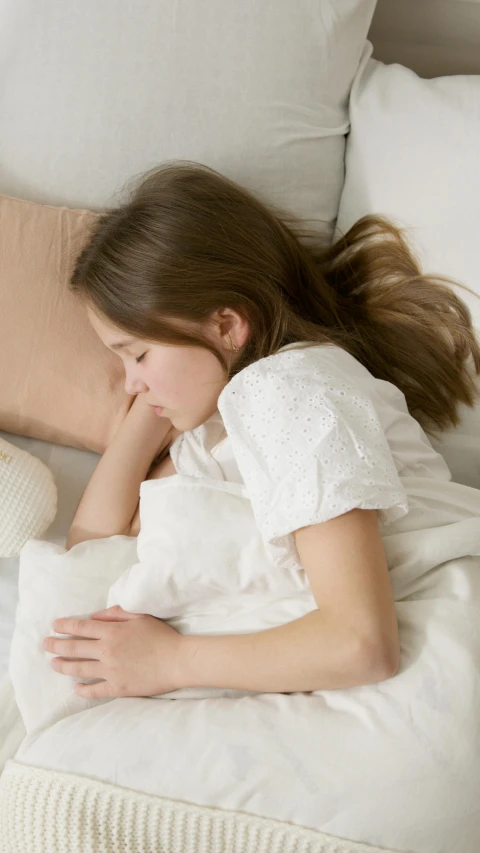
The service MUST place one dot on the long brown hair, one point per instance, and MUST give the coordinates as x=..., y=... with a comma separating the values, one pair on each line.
x=190, y=241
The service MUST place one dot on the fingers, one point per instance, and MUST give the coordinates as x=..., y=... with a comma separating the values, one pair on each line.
x=78, y=668
x=72, y=648
x=92, y=627
x=115, y=614
x=100, y=690
x=79, y=627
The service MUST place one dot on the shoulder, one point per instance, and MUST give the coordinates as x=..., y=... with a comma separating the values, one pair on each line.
x=311, y=373
x=304, y=403
x=308, y=439
x=302, y=356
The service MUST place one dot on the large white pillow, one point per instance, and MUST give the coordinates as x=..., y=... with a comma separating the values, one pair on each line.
x=94, y=93
x=413, y=155
x=54, y=583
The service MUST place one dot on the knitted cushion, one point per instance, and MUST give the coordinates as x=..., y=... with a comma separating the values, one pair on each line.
x=28, y=498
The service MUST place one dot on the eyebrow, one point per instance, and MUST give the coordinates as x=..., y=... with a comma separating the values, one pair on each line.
x=121, y=344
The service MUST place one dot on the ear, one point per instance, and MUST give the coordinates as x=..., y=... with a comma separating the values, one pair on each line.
x=232, y=327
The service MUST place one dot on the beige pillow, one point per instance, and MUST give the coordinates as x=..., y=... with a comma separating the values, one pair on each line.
x=58, y=382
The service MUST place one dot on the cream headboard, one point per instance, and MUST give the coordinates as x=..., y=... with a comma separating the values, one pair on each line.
x=433, y=37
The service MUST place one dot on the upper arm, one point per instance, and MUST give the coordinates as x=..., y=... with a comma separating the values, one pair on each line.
x=344, y=560
x=133, y=528
x=162, y=468
x=314, y=456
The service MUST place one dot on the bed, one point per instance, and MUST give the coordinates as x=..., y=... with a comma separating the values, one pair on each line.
x=433, y=38
x=430, y=37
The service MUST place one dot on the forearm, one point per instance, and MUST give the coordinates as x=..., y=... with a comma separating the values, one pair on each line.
x=112, y=494
x=301, y=656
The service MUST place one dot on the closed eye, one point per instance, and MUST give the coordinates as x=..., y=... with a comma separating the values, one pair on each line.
x=140, y=358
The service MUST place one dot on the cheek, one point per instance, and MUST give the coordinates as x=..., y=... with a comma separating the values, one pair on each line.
x=189, y=378
x=162, y=383
x=166, y=377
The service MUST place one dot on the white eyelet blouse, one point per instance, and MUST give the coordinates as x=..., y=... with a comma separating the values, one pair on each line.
x=312, y=434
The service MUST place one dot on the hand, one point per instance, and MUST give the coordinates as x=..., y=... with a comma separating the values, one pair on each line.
x=135, y=654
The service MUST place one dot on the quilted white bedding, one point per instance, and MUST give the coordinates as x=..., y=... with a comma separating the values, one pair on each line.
x=394, y=764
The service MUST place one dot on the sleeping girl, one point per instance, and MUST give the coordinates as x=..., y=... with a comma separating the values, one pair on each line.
x=311, y=375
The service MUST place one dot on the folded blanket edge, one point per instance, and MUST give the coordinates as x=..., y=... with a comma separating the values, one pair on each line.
x=94, y=804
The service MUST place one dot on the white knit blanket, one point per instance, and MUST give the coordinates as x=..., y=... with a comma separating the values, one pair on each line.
x=69, y=813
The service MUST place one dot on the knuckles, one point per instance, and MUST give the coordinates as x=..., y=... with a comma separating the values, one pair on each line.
x=71, y=649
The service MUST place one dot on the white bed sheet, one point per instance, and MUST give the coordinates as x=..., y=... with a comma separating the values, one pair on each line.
x=72, y=470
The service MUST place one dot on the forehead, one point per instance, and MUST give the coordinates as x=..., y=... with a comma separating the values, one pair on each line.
x=109, y=334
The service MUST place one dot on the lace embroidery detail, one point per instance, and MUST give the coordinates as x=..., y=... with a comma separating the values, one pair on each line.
x=309, y=447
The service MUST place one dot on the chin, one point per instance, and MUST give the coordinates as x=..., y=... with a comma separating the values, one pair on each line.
x=179, y=423
x=186, y=423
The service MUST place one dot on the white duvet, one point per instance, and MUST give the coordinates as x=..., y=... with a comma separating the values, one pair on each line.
x=395, y=764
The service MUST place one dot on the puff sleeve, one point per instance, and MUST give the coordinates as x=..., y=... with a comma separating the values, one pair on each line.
x=309, y=445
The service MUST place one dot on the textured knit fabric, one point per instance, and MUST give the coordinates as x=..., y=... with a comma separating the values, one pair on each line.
x=28, y=498
x=46, y=812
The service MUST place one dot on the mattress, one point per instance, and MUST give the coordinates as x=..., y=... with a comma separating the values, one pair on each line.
x=72, y=469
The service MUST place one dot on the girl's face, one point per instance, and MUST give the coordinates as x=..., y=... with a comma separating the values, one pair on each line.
x=185, y=381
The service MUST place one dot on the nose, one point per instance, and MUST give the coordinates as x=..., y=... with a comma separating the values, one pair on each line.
x=134, y=385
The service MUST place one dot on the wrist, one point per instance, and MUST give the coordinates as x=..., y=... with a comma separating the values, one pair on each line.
x=145, y=426
x=184, y=675
x=140, y=411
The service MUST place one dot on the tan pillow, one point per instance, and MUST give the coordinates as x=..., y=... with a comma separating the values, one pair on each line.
x=57, y=380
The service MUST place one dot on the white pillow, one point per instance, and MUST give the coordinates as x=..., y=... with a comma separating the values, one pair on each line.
x=54, y=583
x=28, y=498
x=413, y=155
x=94, y=93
